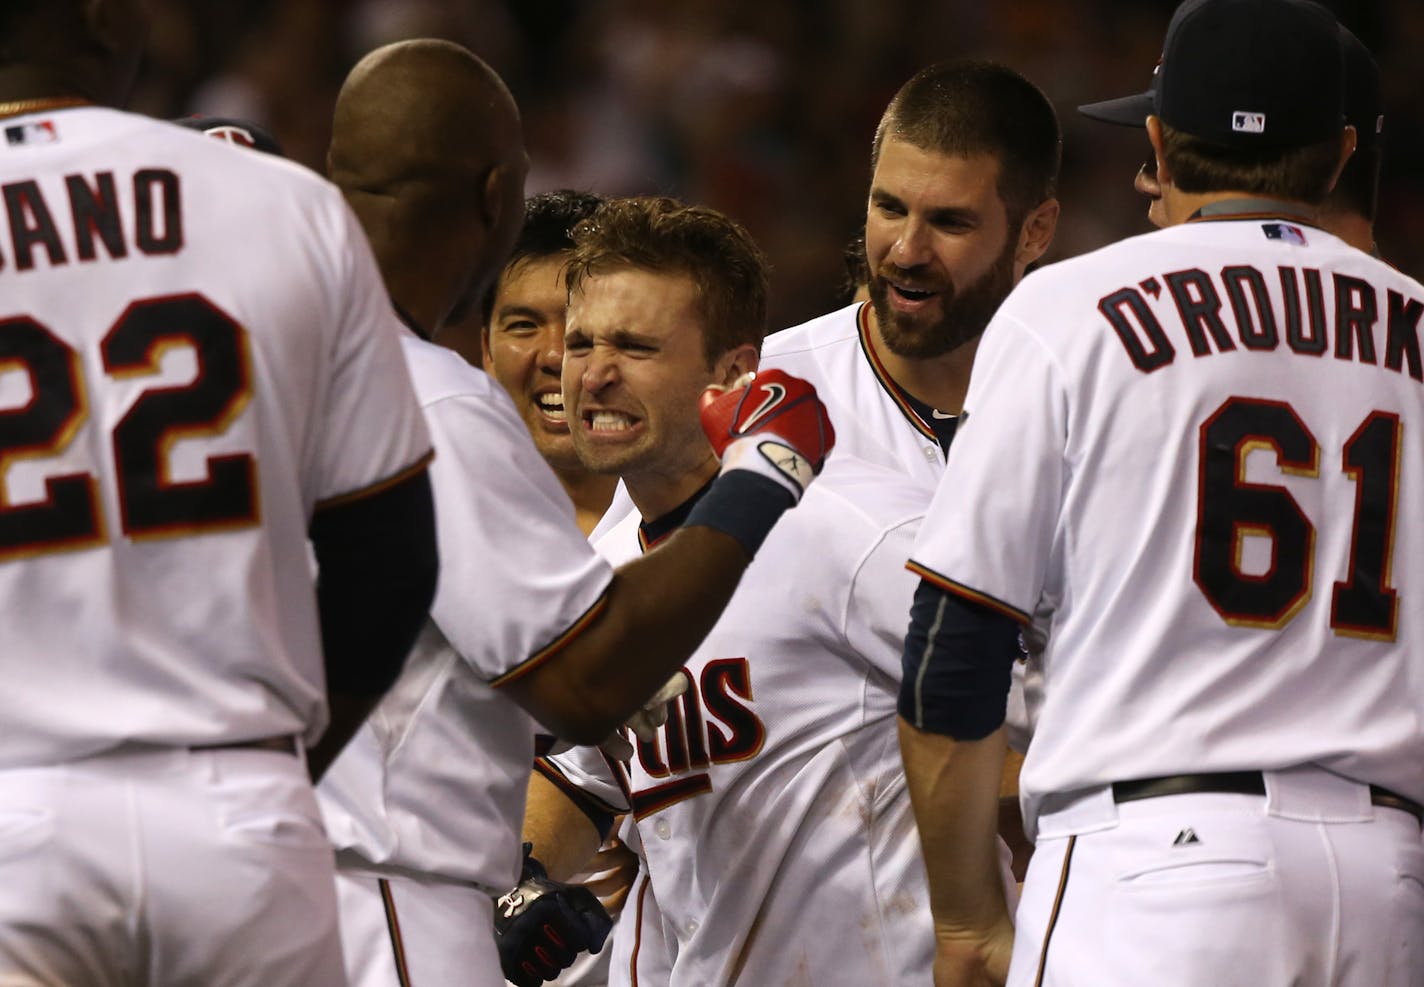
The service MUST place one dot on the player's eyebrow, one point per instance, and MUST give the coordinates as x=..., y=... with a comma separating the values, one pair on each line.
x=510, y=311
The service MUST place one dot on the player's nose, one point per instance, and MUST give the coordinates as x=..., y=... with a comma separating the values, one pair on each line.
x=549, y=358
x=912, y=243
x=600, y=370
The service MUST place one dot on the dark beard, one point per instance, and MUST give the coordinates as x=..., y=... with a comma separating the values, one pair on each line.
x=966, y=312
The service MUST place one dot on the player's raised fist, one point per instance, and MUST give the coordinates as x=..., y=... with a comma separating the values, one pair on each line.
x=771, y=423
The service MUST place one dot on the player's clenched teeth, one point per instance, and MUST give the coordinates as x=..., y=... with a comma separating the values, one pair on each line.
x=607, y=421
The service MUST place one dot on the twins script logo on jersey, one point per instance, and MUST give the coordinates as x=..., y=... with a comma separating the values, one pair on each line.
x=711, y=723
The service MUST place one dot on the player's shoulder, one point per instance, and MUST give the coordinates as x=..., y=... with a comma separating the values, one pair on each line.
x=840, y=326
x=855, y=493
x=441, y=374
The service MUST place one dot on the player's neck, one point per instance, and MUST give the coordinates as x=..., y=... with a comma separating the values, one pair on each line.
x=1179, y=207
x=31, y=84
x=655, y=495
x=591, y=494
x=1354, y=229
x=939, y=382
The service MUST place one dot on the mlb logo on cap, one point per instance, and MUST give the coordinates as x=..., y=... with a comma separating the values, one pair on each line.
x=1248, y=123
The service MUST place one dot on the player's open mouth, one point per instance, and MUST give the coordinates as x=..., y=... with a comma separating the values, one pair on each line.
x=912, y=294
x=552, y=407
x=608, y=421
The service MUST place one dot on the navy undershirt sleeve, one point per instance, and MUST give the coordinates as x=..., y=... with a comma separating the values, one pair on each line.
x=378, y=566
x=958, y=662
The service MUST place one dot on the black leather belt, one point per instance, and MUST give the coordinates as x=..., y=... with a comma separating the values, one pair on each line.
x=1239, y=783
x=285, y=744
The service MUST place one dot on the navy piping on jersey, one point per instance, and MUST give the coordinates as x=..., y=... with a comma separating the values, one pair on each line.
x=922, y=416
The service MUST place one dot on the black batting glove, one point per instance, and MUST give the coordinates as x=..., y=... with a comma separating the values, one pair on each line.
x=542, y=925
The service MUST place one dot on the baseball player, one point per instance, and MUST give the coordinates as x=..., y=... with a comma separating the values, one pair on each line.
x=963, y=171
x=199, y=379
x=528, y=624
x=1349, y=210
x=523, y=341
x=769, y=807
x=1211, y=475
x=522, y=338
x=964, y=165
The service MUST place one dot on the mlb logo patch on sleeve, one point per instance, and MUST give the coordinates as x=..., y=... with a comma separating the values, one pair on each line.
x=1284, y=232
x=31, y=133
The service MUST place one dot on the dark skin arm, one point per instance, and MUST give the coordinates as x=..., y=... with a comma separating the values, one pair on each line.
x=659, y=608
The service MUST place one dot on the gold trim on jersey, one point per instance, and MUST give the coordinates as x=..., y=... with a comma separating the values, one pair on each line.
x=22, y=107
x=379, y=486
x=968, y=593
x=887, y=383
x=555, y=646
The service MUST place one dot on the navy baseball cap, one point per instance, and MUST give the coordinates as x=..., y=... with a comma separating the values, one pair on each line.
x=1364, y=106
x=1261, y=74
x=234, y=131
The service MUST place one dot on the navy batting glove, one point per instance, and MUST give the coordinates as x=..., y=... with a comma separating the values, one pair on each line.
x=542, y=925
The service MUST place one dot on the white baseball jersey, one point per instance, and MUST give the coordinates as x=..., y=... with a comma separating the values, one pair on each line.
x=195, y=352
x=1195, y=448
x=876, y=421
x=772, y=809
x=435, y=781
x=873, y=419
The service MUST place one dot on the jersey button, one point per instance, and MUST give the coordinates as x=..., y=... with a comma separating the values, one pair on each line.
x=691, y=928
x=663, y=830
x=932, y=453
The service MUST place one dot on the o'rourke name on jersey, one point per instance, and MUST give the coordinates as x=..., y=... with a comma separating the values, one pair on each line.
x=1310, y=317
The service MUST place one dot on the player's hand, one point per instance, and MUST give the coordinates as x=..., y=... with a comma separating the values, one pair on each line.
x=644, y=723
x=654, y=713
x=771, y=423
x=542, y=925
x=974, y=960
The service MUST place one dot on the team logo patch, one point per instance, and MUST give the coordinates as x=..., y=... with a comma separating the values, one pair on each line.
x=1245, y=122
x=232, y=134
x=1284, y=232
x=43, y=132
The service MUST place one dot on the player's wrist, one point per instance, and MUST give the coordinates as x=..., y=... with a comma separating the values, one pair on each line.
x=743, y=503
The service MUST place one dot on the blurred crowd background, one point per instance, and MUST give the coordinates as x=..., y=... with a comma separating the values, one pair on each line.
x=762, y=108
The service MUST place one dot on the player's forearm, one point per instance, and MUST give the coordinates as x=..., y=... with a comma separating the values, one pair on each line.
x=954, y=790
x=660, y=606
x=564, y=838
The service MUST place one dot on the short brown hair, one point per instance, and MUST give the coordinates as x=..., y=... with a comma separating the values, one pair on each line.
x=664, y=236
x=973, y=107
x=1297, y=174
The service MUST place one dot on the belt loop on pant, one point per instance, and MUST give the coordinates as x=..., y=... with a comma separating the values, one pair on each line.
x=1239, y=783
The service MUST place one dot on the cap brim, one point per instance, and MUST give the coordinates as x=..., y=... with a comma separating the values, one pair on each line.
x=1126, y=111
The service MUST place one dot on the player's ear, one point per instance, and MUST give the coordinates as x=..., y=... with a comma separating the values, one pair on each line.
x=1154, y=134
x=1349, y=140
x=1036, y=234
x=736, y=362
